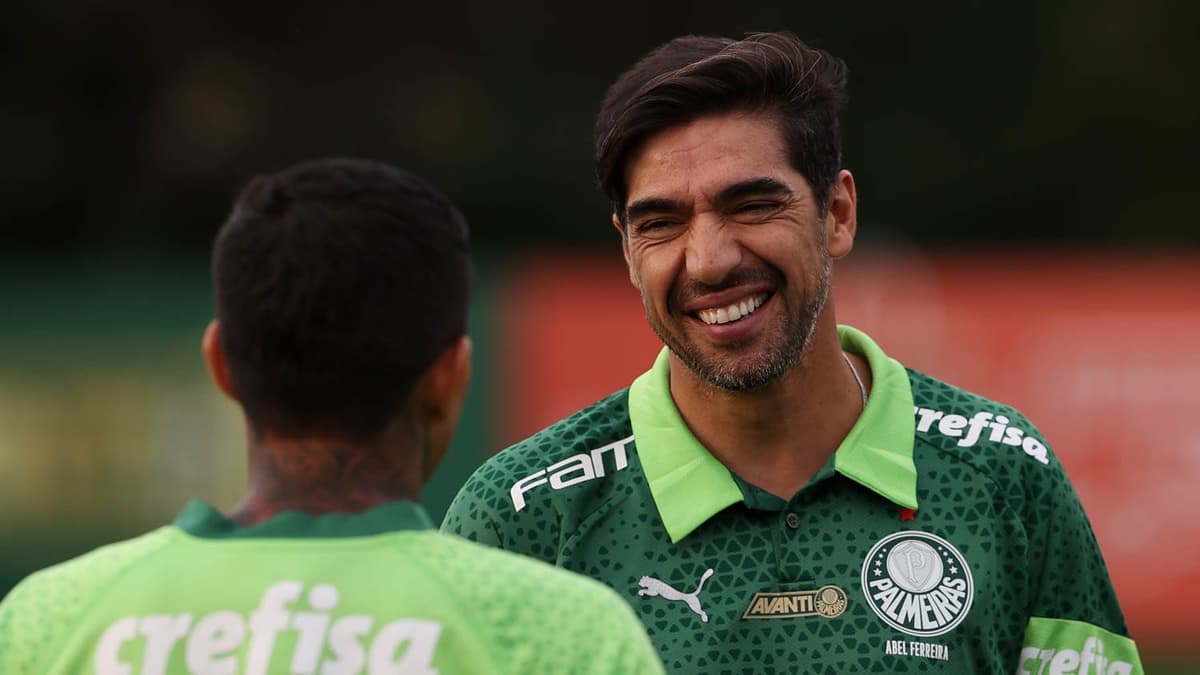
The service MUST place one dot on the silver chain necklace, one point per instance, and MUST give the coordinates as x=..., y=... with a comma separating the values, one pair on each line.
x=862, y=388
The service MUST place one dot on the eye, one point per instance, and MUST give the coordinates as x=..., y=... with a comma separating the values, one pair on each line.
x=756, y=207
x=653, y=226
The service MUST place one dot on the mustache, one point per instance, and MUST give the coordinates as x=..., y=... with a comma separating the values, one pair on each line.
x=686, y=290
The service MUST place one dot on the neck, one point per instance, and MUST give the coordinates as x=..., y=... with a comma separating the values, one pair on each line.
x=778, y=437
x=326, y=475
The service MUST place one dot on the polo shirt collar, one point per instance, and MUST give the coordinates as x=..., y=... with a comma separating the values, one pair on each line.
x=689, y=485
x=201, y=520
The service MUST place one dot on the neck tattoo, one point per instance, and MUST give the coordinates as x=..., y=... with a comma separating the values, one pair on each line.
x=862, y=389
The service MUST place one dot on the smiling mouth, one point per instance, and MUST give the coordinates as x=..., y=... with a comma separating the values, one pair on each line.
x=733, y=312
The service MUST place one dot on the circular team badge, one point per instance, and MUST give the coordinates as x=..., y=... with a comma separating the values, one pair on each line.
x=918, y=583
x=830, y=601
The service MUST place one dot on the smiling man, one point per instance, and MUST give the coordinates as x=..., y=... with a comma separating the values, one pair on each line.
x=776, y=494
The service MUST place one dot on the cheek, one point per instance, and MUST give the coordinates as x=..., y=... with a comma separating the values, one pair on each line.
x=780, y=254
x=793, y=248
x=652, y=273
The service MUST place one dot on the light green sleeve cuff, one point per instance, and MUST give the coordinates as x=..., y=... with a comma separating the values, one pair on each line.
x=1061, y=646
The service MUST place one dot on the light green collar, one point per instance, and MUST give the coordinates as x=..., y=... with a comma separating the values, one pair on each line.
x=690, y=486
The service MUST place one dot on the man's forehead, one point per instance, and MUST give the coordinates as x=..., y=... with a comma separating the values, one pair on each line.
x=706, y=156
x=730, y=185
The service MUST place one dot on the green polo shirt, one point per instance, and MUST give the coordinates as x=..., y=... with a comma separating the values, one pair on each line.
x=941, y=536
x=376, y=592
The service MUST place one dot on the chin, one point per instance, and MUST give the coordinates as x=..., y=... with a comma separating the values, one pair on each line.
x=748, y=373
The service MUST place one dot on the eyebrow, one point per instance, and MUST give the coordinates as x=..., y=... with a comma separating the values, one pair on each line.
x=753, y=186
x=750, y=186
x=651, y=205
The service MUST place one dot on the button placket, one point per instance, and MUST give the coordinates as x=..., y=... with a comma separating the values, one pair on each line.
x=792, y=533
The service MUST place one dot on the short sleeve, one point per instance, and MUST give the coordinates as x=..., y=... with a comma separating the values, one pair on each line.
x=1075, y=620
x=502, y=506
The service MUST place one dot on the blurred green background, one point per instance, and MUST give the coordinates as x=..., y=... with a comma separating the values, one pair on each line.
x=127, y=128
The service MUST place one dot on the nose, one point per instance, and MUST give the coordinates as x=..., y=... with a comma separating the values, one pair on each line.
x=712, y=250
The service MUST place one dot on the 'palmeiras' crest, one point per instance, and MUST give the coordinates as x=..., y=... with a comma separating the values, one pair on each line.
x=918, y=583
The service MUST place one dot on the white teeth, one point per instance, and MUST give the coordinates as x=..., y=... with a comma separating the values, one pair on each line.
x=733, y=312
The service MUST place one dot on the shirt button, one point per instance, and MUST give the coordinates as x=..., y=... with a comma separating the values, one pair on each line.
x=792, y=520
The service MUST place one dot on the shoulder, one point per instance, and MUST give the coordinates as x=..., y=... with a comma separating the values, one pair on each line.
x=975, y=429
x=94, y=569
x=956, y=427
x=46, y=607
x=540, y=618
x=560, y=467
x=501, y=576
x=596, y=426
x=959, y=430
x=518, y=597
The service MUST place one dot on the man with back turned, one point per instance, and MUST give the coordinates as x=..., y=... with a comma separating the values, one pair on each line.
x=341, y=303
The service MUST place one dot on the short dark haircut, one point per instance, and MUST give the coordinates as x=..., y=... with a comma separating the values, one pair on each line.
x=337, y=283
x=692, y=76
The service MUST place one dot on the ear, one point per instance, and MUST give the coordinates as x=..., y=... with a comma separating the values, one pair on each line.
x=214, y=358
x=441, y=393
x=842, y=219
x=620, y=227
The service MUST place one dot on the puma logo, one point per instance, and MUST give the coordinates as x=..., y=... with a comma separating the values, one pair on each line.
x=655, y=587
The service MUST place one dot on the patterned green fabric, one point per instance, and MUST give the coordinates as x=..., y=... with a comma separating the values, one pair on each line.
x=379, y=592
x=844, y=577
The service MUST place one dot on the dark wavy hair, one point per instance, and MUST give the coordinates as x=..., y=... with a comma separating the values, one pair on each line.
x=337, y=283
x=692, y=76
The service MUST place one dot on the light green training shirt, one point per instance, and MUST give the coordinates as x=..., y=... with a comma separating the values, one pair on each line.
x=942, y=536
x=377, y=592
